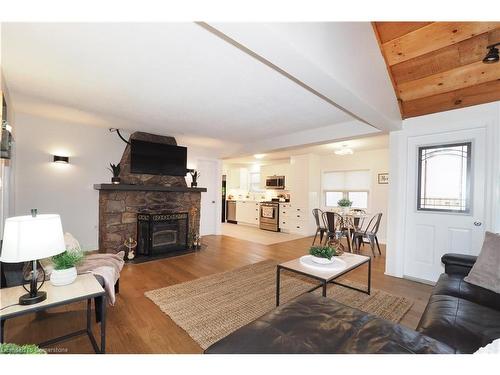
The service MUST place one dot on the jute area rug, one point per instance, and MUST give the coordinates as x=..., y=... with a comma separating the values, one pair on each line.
x=212, y=307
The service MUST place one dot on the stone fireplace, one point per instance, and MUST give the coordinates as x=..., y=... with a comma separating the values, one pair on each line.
x=124, y=208
x=162, y=233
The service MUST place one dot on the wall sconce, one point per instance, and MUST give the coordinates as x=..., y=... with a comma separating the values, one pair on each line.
x=61, y=159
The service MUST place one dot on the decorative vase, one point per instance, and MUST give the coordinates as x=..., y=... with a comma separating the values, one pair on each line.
x=63, y=277
x=115, y=180
x=321, y=260
x=194, y=184
x=346, y=210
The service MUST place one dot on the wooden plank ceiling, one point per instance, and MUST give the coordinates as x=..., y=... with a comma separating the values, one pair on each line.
x=437, y=66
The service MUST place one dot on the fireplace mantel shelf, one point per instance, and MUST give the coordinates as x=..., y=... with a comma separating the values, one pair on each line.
x=125, y=187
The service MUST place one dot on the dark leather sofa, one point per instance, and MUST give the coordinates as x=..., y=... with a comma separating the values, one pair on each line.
x=462, y=315
x=459, y=318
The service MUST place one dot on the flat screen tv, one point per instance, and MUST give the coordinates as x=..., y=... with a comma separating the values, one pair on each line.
x=157, y=158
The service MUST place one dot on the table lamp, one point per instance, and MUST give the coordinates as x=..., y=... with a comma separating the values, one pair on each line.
x=29, y=238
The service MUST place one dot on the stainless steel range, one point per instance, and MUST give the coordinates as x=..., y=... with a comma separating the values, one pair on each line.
x=269, y=216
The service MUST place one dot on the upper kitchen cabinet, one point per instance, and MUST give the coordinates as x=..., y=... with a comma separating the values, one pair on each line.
x=237, y=178
x=266, y=171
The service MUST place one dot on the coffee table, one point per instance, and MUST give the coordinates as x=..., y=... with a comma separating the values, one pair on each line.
x=323, y=274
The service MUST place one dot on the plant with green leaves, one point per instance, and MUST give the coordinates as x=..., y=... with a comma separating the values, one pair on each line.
x=115, y=169
x=344, y=202
x=20, y=349
x=68, y=259
x=323, y=252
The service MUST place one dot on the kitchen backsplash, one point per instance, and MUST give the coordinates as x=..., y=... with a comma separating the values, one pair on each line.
x=240, y=194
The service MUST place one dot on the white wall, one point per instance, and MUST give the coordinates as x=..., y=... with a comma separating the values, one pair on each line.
x=66, y=189
x=483, y=116
x=6, y=166
x=376, y=161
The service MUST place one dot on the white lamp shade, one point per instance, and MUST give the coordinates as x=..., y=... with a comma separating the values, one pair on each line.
x=27, y=238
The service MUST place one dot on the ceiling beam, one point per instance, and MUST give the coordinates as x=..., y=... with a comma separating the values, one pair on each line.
x=432, y=37
x=262, y=44
x=478, y=94
x=311, y=137
x=279, y=70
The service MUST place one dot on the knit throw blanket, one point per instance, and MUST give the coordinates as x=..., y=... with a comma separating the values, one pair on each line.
x=106, y=265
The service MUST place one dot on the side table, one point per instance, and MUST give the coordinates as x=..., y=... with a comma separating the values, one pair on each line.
x=85, y=287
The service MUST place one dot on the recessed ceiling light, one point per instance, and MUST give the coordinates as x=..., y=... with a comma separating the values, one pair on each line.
x=344, y=151
x=259, y=156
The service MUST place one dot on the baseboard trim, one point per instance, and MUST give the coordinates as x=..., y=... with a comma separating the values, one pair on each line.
x=418, y=280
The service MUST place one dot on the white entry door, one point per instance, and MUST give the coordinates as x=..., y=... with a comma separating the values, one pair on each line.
x=209, y=216
x=446, y=199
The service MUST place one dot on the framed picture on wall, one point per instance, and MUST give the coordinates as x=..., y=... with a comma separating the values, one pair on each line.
x=383, y=178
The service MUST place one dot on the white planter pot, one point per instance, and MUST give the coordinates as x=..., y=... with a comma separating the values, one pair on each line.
x=321, y=260
x=346, y=210
x=63, y=277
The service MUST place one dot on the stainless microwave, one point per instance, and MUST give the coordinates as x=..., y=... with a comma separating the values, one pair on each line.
x=275, y=182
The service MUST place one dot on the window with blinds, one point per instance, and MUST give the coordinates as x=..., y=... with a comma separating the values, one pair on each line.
x=352, y=185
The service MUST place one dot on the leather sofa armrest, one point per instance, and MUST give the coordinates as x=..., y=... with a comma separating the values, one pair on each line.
x=458, y=263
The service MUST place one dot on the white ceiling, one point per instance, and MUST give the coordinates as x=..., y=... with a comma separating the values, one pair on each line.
x=357, y=145
x=167, y=78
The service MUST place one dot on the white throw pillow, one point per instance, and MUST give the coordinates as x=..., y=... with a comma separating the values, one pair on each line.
x=492, y=348
x=71, y=242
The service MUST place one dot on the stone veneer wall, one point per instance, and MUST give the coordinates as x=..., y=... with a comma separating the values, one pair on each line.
x=118, y=209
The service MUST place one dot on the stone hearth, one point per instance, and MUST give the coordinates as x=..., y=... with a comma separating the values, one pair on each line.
x=140, y=193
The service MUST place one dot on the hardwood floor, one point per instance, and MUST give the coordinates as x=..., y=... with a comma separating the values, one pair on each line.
x=136, y=325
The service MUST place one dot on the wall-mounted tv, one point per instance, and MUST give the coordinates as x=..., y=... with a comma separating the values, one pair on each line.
x=157, y=158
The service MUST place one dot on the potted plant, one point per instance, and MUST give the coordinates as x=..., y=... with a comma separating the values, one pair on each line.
x=64, y=272
x=194, y=175
x=345, y=204
x=115, y=169
x=20, y=349
x=323, y=254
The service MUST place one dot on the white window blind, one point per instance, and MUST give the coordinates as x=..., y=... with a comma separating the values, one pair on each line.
x=346, y=180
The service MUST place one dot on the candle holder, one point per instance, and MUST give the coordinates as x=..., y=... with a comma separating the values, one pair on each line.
x=130, y=244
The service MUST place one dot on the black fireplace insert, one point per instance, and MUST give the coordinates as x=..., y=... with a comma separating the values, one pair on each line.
x=162, y=233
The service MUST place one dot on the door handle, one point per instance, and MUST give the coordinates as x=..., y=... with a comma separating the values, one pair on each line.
x=213, y=201
x=478, y=223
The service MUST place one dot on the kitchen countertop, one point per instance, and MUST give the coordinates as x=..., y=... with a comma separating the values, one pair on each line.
x=253, y=201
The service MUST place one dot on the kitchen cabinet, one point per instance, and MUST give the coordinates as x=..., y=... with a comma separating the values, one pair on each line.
x=237, y=178
x=247, y=212
x=294, y=219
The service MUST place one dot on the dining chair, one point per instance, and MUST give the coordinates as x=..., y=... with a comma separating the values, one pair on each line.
x=359, y=221
x=334, y=226
x=320, y=225
x=369, y=234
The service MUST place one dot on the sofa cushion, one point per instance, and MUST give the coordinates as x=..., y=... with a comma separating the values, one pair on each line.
x=455, y=286
x=313, y=324
x=461, y=324
x=486, y=271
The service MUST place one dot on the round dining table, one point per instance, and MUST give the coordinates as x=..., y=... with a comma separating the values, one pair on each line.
x=347, y=223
